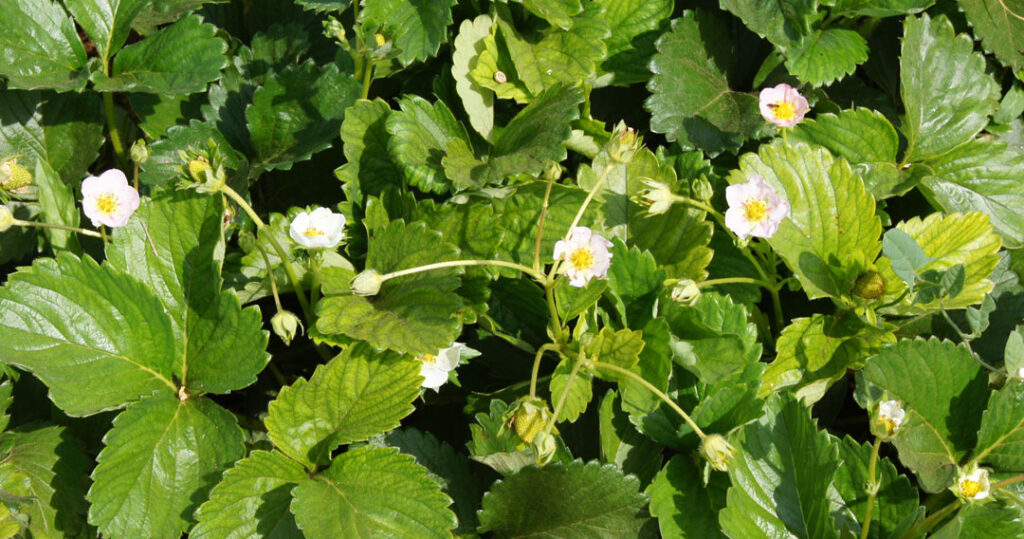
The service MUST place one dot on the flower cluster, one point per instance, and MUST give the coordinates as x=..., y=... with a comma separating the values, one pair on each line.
x=108, y=200
x=754, y=209
x=584, y=255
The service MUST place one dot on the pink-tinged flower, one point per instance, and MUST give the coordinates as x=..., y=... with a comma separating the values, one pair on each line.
x=585, y=256
x=754, y=209
x=108, y=200
x=320, y=228
x=783, y=105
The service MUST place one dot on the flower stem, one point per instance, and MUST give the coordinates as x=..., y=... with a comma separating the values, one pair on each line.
x=540, y=224
x=1008, y=481
x=115, y=135
x=270, y=276
x=735, y=280
x=556, y=321
x=536, y=366
x=456, y=263
x=82, y=231
x=650, y=387
x=314, y=288
x=701, y=206
x=872, y=490
x=368, y=69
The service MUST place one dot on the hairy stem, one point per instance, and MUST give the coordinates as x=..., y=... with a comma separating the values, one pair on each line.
x=456, y=263
x=872, y=490
x=650, y=387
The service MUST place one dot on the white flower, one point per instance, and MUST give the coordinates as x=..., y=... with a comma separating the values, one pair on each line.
x=585, y=255
x=754, y=209
x=973, y=485
x=891, y=415
x=1020, y=373
x=320, y=228
x=108, y=199
x=783, y=105
x=435, y=368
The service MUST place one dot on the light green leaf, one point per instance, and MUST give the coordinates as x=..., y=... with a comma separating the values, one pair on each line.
x=179, y=59
x=119, y=332
x=58, y=207
x=325, y=6
x=474, y=228
x=1001, y=438
x=636, y=280
x=372, y=492
x=160, y=461
x=863, y=137
x=943, y=392
x=252, y=499
x=477, y=100
x=573, y=301
x=493, y=58
x=496, y=445
x=983, y=176
x=567, y=501
x=622, y=445
x=977, y=521
x=579, y=387
x=416, y=28
x=39, y=47
x=414, y=314
x=827, y=55
x=634, y=25
x=356, y=395
x=47, y=465
x=298, y=113
x=1014, y=351
x=1000, y=27
x=718, y=341
x=691, y=99
x=419, y=134
x=369, y=168
x=654, y=366
x=683, y=505
x=947, y=94
x=620, y=348
x=520, y=214
x=158, y=113
x=832, y=232
x=557, y=12
x=906, y=256
x=876, y=8
x=776, y=476
x=896, y=497
x=107, y=22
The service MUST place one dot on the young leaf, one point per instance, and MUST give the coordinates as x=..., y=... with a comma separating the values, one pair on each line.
x=559, y=500
x=165, y=160
x=777, y=487
x=943, y=392
x=1001, y=438
x=620, y=348
x=119, y=332
x=371, y=492
x=419, y=134
x=684, y=507
x=417, y=29
x=356, y=395
x=580, y=389
x=896, y=496
x=947, y=94
x=634, y=25
x=1000, y=27
x=41, y=31
x=495, y=444
x=477, y=100
x=252, y=499
x=161, y=459
x=107, y=22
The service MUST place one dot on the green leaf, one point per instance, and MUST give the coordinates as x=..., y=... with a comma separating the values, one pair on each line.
x=718, y=341
x=777, y=486
x=165, y=160
x=906, y=255
x=491, y=58
x=831, y=233
x=372, y=492
x=174, y=245
x=1001, y=438
x=496, y=445
x=160, y=12
x=573, y=301
x=622, y=445
x=298, y=113
x=654, y=366
x=636, y=280
x=691, y=99
x=568, y=501
x=580, y=390
x=785, y=23
x=160, y=461
x=39, y=47
x=682, y=504
x=414, y=314
x=876, y=8
x=419, y=134
x=827, y=55
x=976, y=521
x=557, y=12
x=107, y=22
x=356, y=395
x=417, y=29
x=947, y=94
x=325, y=6
x=620, y=348
x=364, y=136
x=1000, y=27
x=896, y=497
x=477, y=100
x=863, y=137
x=634, y=25
x=943, y=392
x=179, y=59
x=119, y=332
x=46, y=465
x=58, y=207
x=982, y=176
x=1014, y=351
x=252, y=499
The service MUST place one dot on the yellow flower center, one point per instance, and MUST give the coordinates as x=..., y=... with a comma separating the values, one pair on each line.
x=428, y=358
x=784, y=111
x=581, y=258
x=755, y=210
x=107, y=204
x=970, y=488
x=889, y=424
x=312, y=232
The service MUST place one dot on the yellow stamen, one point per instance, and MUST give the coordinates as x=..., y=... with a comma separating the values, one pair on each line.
x=889, y=424
x=784, y=111
x=581, y=258
x=755, y=210
x=312, y=232
x=428, y=358
x=107, y=204
x=970, y=488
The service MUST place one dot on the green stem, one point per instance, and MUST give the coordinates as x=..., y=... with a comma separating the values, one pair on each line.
x=368, y=69
x=82, y=231
x=927, y=524
x=735, y=280
x=556, y=321
x=1008, y=481
x=270, y=276
x=115, y=135
x=650, y=387
x=456, y=263
x=564, y=396
x=873, y=490
x=536, y=367
x=540, y=224
x=966, y=339
x=701, y=206
x=277, y=374
x=103, y=234
x=314, y=287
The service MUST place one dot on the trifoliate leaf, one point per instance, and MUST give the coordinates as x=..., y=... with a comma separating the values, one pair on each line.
x=298, y=113
x=863, y=137
x=477, y=100
x=47, y=466
x=683, y=505
x=827, y=55
x=58, y=207
x=1001, y=438
x=369, y=168
x=566, y=500
x=372, y=492
x=415, y=313
x=896, y=497
x=356, y=395
x=119, y=332
x=1000, y=27
x=417, y=29
x=420, y=132
x=579, y=388
x=39, y=47
x=107, y=22
x=179, y=59
x=943, y=392
x=691, y=99
x=718, y=341
x=252, y=499
x=622, y=445
x=160, y=461
x=634, y=25
x=947, y=94
x=776, y=476
x=983, y=176
x=636, y=280
x=831, y=233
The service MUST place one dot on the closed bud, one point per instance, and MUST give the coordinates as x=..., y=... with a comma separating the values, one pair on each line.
x=285, y=325
x=870, y=285
x=14, y=176
x=334, y=29
x=367, y=283
x=717, y=451
x=6, y=218
x=624, y=143
x=658, y=195
x=140, y=152
x=686, y=292
x=545, y=446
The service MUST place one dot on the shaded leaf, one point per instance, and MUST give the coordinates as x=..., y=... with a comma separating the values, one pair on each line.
x=416, y=28
x=683, y=505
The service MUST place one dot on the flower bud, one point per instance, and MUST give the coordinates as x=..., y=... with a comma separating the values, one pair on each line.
x=686, y=291
x=870, y=285
x=530, y=418
x=334, y=29
x=285, y=325
x=545, y=446
x=367, y=283
x=6, y=218
x=197, y=169
x=717, y=451
x=624, y=143
x=140, y=152
x=658, y=195
x=14, y=176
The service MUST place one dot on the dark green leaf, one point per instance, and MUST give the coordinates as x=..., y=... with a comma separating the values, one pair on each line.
x=39, y=47
x=1000, y=26
x=369, y=168
x=684, y=506
x=416, y=28
x=419, y=134
x=107, y=22
x=634, y=26
x=1001, y=438
x=58, y=207
x=717, y=340
x=896, y=497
